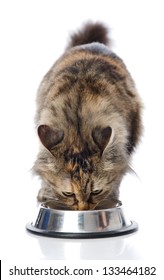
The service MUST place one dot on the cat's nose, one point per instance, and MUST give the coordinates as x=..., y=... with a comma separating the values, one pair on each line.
x=83, y=206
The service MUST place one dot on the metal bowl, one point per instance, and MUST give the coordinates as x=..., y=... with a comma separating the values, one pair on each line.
x=81, y=224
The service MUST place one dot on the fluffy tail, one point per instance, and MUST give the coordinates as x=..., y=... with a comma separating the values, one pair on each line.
x=91, y=32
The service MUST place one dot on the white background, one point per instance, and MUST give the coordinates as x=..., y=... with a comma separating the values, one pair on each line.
x=33, y=35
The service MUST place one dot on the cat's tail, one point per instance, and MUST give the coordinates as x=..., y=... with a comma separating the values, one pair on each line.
x=90, y=33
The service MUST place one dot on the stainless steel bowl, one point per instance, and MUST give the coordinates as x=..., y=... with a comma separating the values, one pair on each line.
x=81, y=224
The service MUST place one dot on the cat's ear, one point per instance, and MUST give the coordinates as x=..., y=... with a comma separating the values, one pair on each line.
x=101, y=136
x=50, y=137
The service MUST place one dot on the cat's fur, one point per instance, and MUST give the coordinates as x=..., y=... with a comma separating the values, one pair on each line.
x=88, y=120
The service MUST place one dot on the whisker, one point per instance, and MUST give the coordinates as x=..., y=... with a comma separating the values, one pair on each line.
x=132, y=171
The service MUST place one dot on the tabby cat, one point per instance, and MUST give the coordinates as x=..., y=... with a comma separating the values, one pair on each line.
x=88, y=120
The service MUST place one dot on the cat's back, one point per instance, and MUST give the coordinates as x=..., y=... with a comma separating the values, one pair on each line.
x=88, y=51
x=88, y=86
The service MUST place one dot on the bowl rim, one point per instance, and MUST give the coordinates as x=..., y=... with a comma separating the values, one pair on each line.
x=44, y=207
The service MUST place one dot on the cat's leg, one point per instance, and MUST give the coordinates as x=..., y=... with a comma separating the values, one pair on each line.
x=47, y=197
x=45, y=193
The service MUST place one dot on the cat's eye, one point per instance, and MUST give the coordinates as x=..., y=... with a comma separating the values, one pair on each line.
x=96, y=192
x=68, y=193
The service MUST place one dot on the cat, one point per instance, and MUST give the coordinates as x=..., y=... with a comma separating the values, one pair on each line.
x=88, y=120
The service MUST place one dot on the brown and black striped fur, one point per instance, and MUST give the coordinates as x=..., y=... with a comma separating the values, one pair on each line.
x=88, y=121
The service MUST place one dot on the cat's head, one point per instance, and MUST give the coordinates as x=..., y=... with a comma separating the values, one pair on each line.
x=78, y=173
